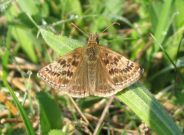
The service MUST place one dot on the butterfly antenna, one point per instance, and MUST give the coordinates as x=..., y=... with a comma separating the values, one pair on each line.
x=114, y=23
x=75, y=26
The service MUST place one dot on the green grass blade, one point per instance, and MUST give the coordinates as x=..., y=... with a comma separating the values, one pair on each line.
x=27, y=123
x=167, y=55
x=163, y=20
x=148, y=109
x=179, y=7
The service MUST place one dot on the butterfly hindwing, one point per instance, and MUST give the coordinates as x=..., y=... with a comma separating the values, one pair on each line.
x=79, y=84
x=104, y=85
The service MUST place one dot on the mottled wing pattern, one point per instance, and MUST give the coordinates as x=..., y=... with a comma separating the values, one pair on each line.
x=61, y=73
x=118, y=72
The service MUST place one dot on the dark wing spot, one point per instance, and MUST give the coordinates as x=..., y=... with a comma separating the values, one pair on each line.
x=106, y=61
x=129, y=68
x=116, y=59
x=47, y=69
x=63, y=73
x=75, y=63
x=114, y=71
x=62, y=62
x=68, y=65
x=125, y=70
x=53, y=73
x=69, y=73
x=132, y=65
x=111, y=71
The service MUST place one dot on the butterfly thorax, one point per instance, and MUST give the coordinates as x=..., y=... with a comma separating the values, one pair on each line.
x=92, y=48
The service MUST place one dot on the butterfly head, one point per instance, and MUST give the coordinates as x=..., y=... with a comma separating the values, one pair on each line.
x=93, y=39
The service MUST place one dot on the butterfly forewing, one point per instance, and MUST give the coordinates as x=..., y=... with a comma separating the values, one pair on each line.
x=60, y=73
x=117, y=72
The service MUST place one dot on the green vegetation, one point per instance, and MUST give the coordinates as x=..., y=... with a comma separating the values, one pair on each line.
x=34, y=33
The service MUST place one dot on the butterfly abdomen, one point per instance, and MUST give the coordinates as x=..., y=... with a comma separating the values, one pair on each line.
x=91, y=75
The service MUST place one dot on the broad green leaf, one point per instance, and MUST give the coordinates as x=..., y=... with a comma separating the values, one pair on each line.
x=149, y=110
x=26, y=40
x=28, y=6
x=22, y=35
x=50, y=114
x=58, y=43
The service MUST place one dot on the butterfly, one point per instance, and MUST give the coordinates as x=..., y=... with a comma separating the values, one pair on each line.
x=91, y=70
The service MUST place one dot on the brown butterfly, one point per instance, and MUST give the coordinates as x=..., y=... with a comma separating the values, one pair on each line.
x=91, y=70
